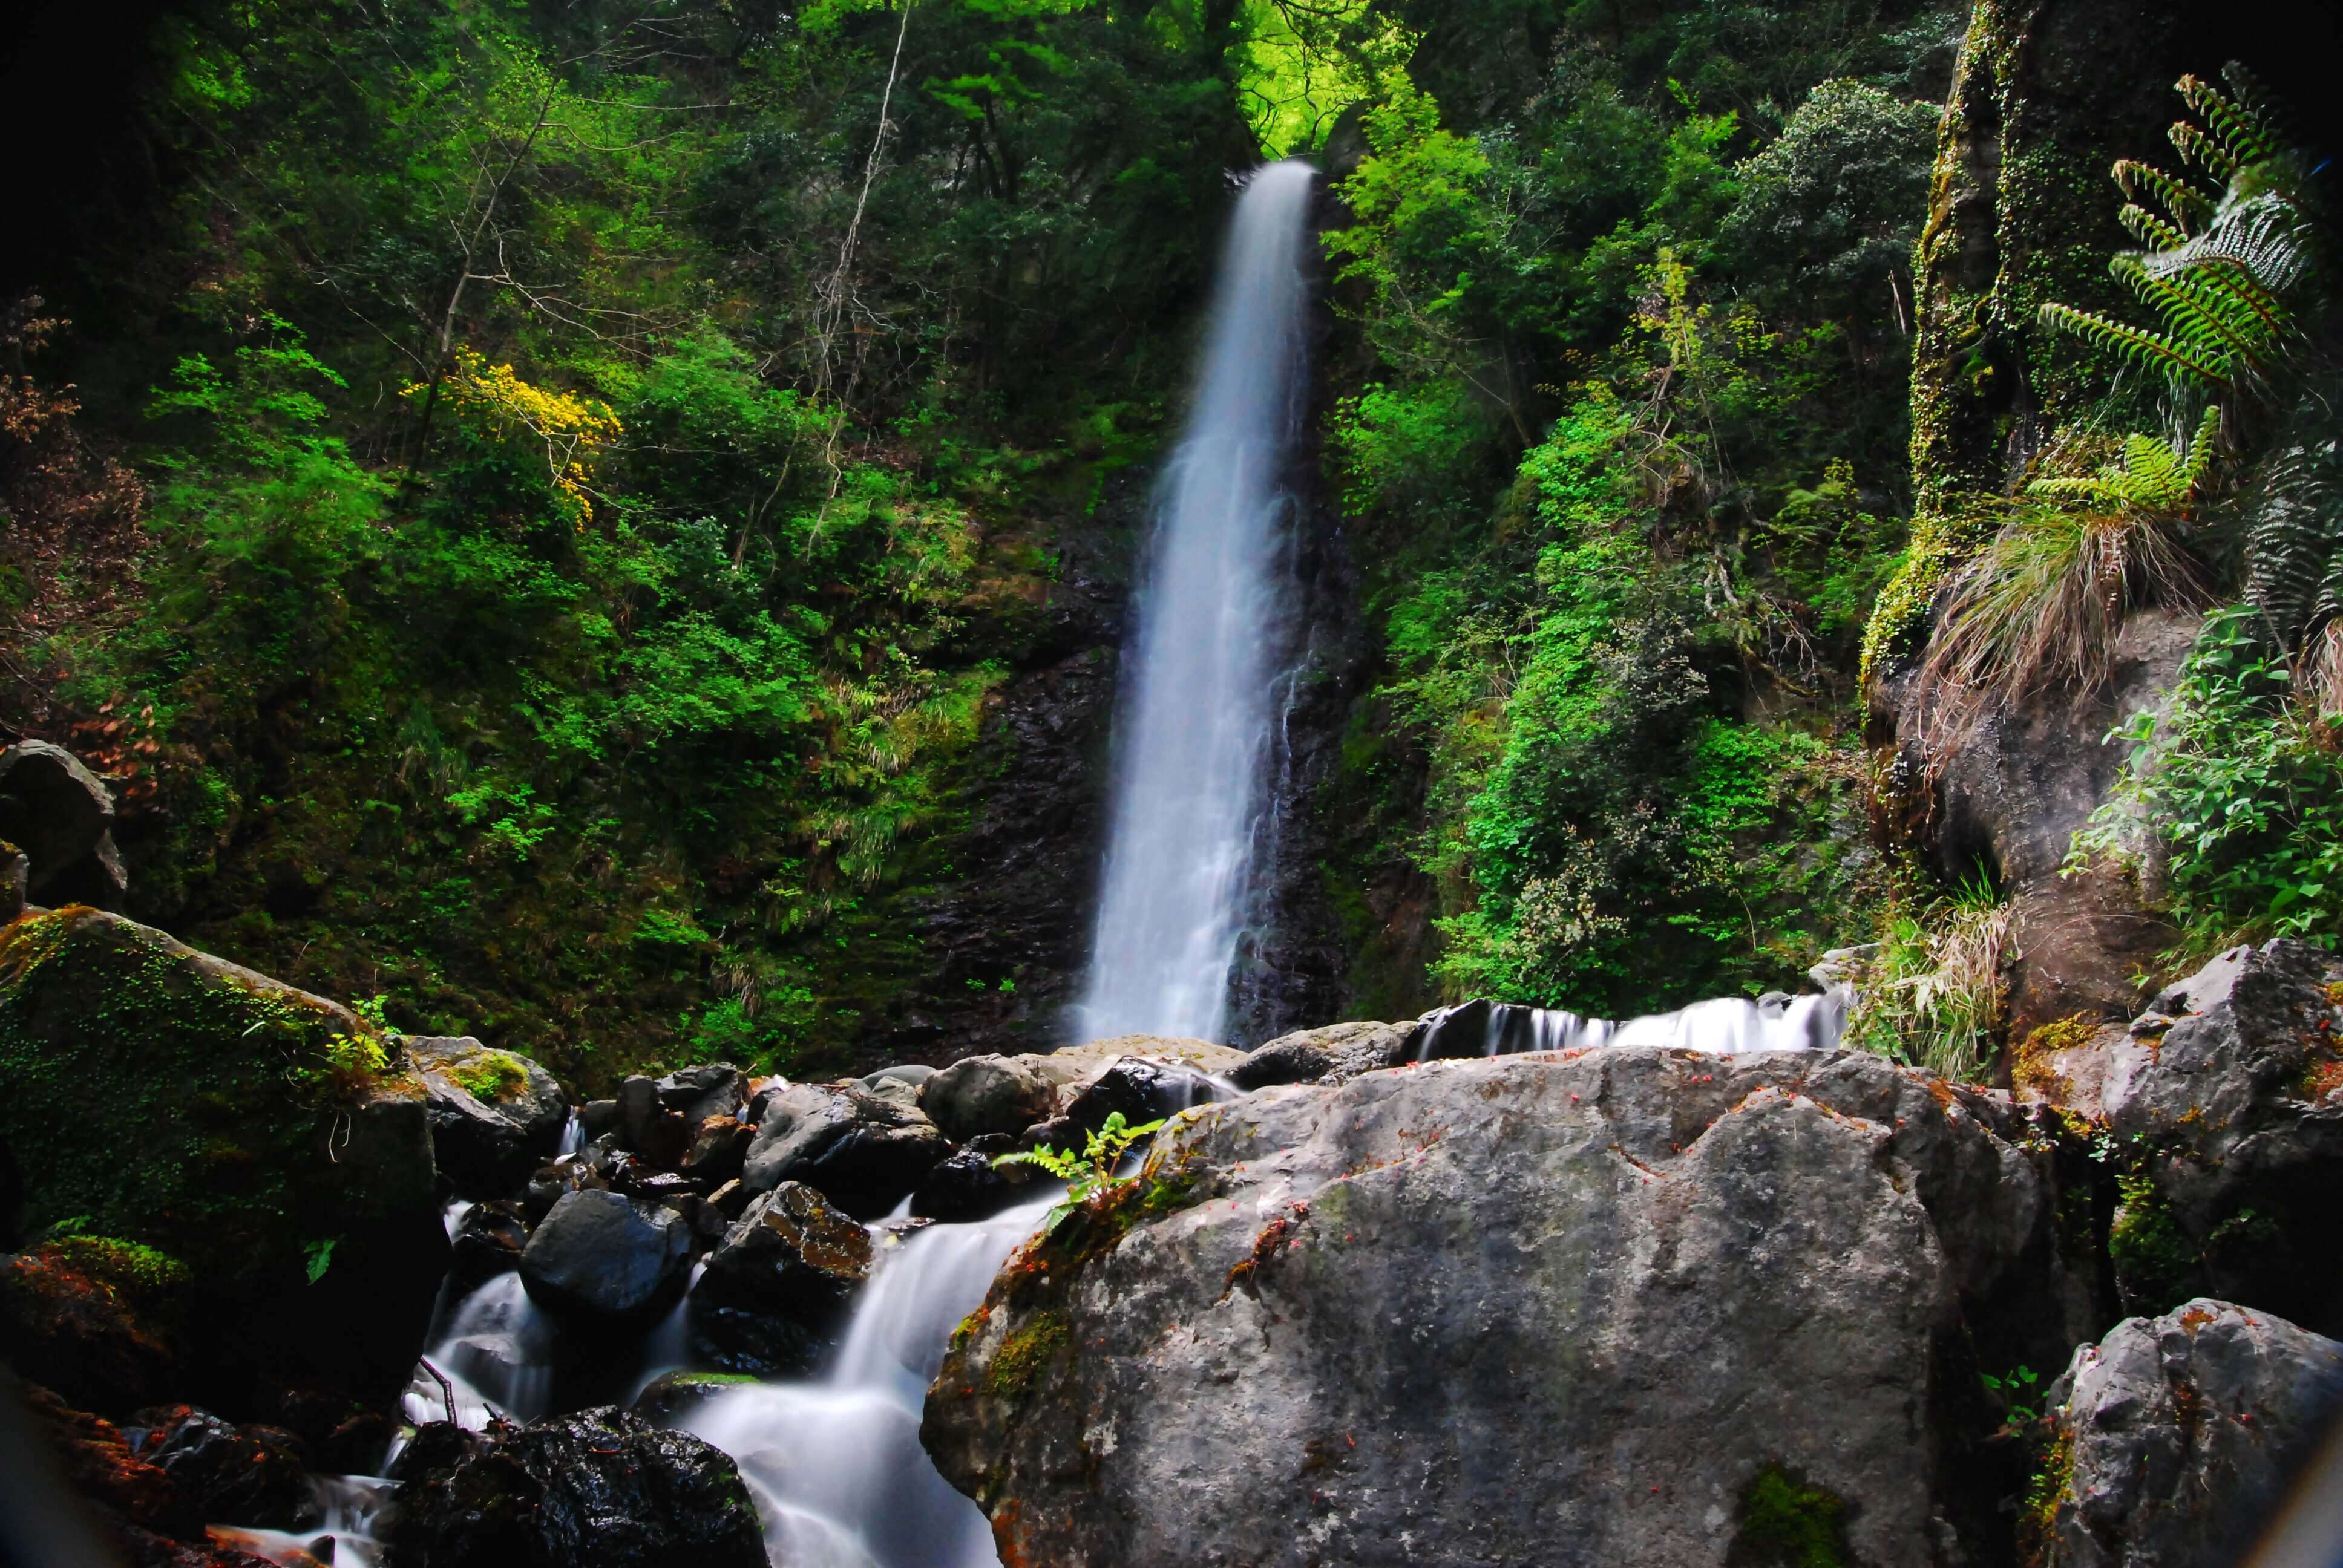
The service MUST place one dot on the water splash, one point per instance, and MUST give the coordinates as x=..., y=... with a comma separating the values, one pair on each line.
x=1199, y=701
x=495, y=1348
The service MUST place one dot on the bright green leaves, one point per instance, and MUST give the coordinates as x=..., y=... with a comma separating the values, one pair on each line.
x=2244, y=785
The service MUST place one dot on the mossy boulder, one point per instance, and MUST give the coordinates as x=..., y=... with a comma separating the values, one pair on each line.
x=495, y=1117
x=262, y=1137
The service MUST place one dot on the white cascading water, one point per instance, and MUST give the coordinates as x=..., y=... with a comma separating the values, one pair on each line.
x=1199, y=703
x=839, y=1476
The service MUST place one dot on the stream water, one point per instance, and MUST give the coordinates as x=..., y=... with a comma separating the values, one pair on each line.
x=1198, y=709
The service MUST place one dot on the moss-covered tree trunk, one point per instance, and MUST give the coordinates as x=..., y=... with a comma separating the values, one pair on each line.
x=2045, y=96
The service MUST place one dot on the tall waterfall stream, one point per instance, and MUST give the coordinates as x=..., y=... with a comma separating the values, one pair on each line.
x=1198, y=709
x=834, y=1460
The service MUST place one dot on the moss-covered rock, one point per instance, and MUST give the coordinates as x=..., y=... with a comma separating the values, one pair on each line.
x=262, y=1136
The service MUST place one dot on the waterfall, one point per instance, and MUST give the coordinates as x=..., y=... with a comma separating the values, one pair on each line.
x=1199, y=703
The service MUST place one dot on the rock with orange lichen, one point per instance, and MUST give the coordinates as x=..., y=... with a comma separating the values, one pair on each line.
x=99, y=1318
x=2176, y=1438
x=1468, y=1312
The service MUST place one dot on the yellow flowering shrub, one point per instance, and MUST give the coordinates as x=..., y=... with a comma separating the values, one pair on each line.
x=573, y=431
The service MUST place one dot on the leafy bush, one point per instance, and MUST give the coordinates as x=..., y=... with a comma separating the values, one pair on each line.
x=2240, y=786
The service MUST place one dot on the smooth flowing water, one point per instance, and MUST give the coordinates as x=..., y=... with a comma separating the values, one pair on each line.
x=840, y=1477
x=1199, y=709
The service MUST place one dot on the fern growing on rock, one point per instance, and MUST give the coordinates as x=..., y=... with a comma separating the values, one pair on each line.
x=2216, y=270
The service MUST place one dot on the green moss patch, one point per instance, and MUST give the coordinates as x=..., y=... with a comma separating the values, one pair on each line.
x=1785, y=1524
x=1025, y=1354
x=493, y=1075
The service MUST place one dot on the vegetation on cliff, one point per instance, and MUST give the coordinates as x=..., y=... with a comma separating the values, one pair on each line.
x=538, y=510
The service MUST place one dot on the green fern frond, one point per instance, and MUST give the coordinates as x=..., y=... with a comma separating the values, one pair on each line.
x=2202, y=449
x=2188, y=206
x=2244, y=129
x=2213, y=315
x=2151, y=349
x=2149, y=229
x=2152, y=476
x=2197, y=147
x=2294, y=548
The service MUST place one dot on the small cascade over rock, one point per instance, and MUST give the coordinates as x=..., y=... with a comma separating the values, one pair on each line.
x=1721, y=1026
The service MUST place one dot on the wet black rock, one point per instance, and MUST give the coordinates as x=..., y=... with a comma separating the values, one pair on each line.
x=638, y=1104
x=774, y=1291
x=987, y=1094
x=489, y=1242
x=602, y=1488
x=1142, y=1090
x=606, y=1256
x=597, y=1117
x=494, y=1116
x=552, y=1182
x=2185, y=1433
x=861, y=1151
x=718, y=1150
x=696, y=1093
x=967, y=1186
x=61, y=815
x=250, y=1476
x=669, y=1397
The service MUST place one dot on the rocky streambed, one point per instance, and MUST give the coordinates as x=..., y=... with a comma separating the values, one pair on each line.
x=1618, y=1302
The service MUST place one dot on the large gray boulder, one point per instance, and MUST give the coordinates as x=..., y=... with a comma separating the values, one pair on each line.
x=2226, y=1099
x=987, y=1094
x=61, y=815
x=696, y=1093
x=1602, y=1307
x=496, y=1116
x=603, y=1255
x=1336, y=1049
x=2179, y=1436
x=863, y=1153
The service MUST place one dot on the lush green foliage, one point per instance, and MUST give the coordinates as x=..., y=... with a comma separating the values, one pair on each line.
x=595, y=475
x=2241, y=786
x=1618, y=610
x=2227, y=804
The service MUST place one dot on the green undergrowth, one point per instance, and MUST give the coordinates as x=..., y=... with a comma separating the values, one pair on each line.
x=1627, y=493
